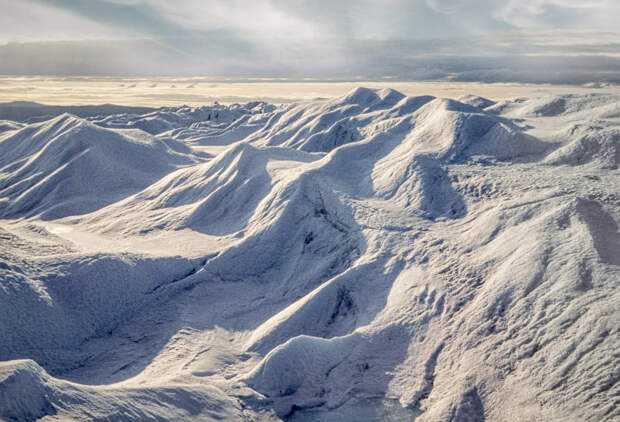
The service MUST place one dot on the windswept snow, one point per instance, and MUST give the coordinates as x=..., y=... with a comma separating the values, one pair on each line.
x=368, y=257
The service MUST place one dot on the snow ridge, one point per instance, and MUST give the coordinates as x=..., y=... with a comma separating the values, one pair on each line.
x=372, y=256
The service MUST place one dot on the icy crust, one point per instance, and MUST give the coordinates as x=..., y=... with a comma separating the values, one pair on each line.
x=371, y=256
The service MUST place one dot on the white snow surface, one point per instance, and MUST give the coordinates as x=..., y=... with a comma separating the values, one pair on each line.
x=370, y=257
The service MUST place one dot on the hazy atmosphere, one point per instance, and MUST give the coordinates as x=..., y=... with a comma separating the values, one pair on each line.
x=541, y=41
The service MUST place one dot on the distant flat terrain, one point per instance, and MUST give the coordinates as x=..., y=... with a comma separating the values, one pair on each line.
x=195, y=91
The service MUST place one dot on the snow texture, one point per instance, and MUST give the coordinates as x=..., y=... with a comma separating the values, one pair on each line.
x=369, y=257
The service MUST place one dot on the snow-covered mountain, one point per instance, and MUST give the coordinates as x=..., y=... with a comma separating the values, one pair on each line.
x=66, y=166
x=369, y=257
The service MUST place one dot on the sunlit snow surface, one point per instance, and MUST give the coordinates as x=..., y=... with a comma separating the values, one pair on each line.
x=368, y=257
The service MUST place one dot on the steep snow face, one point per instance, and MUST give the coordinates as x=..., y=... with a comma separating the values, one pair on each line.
x=369, y=257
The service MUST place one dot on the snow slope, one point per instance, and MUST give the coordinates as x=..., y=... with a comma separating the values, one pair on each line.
x=369, y=257
x=68, y=166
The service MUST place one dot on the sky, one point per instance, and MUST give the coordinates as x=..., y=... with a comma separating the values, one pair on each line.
x=532, y=41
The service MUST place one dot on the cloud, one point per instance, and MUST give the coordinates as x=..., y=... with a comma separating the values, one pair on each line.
x=137, y=18
x=411, y=39
x=573, y=14
x=284, y=21
x=290, y=20
x=540, y=57
x=30, y=21
x=445, y=6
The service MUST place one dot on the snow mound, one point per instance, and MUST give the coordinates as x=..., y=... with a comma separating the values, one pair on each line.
x=421, y=184
x=326, y=125
x=454, y=129
x=566, y=105
x=220, y=133
x=370, y=98
x=335, y=308
x=28, y=393
x=589, y=145
x=455, y=132
x=217, y=197
x=300, y=234
x=299, y=367
x=551, y=107
x=476, y=101
x=23, y=391
x=68, y=166
x=169, y=118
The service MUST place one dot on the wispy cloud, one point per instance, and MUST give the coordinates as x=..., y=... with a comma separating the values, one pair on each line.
x=411, y=39
x=24, y=21
x=565, y=14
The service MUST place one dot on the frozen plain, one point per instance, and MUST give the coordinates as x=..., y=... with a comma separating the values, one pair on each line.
x=368, y=257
